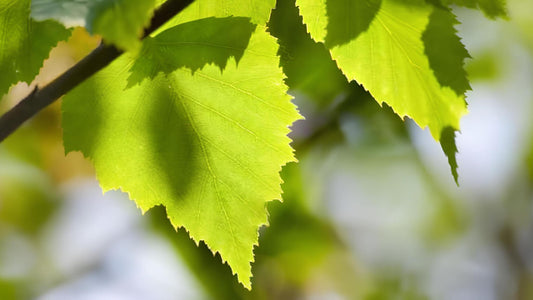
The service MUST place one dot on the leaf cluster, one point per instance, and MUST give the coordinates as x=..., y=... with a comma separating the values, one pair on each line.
x=195, y=116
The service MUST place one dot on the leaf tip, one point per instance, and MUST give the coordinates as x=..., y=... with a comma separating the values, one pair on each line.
x=447, y=142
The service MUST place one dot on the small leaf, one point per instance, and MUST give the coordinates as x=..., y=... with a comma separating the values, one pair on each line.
x=185, y=46
x=120, y=22
x=25, y=44
x=447, y=142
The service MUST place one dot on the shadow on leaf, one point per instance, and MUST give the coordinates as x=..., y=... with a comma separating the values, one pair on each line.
x=347, y=19
x=193, y=45
x=174, y=146
x=445, y=52
x=74, y=125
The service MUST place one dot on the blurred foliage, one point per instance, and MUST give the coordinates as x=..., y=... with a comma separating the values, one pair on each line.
x=483, y=67
x=27, y=203
x=307, y=252
x=8, y=290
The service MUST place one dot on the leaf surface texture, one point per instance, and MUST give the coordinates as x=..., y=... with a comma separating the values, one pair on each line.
x=395, y=50
x=204, y=137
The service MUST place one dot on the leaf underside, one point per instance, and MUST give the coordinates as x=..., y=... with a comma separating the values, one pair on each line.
x=197, y=122
x=392, y=54
x=207, y=142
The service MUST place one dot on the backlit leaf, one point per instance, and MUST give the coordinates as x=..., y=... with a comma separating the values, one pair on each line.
x=24, y=44
x=206, y=141
x=387, y=54
x=121, y=22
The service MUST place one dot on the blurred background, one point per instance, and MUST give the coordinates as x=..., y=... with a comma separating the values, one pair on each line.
x=370, y=211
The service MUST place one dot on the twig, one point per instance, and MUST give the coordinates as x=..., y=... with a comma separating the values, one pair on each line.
x=98, y=59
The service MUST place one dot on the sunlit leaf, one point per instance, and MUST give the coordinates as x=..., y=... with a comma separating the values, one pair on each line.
x=24, y=44
x=121, y=22
x=388, y=56
x=208, y=144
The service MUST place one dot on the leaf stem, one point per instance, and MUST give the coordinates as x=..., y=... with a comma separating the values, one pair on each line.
x=98, y=59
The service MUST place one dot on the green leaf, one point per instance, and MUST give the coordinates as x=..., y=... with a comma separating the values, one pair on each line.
x=446, y=56
x=208, y=144
x=24, y=44
x=314, y=14
x=185, y=46
x=447, y=142
x=387, y=55
x=389, y=60
x=120, y=22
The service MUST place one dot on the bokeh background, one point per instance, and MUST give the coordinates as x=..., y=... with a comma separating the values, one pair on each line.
x=370, y=211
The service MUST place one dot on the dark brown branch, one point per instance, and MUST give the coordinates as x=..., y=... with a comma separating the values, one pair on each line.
x=98, y=59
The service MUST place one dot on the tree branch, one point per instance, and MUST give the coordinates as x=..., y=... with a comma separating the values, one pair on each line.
x=98, y=59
